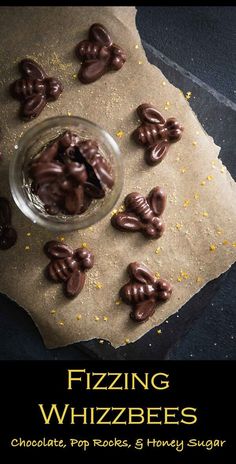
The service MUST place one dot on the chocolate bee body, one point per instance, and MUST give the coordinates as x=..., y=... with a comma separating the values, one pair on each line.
x=87, y=50
x=138, y=204
x=143, y=292
x=132, y=294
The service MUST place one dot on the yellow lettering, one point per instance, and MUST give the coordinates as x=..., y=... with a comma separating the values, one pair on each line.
x=53, y=409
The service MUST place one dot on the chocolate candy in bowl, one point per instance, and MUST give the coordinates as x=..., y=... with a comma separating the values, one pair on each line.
x=67, y=173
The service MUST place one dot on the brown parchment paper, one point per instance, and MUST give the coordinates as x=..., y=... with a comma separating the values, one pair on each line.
x=201, y=208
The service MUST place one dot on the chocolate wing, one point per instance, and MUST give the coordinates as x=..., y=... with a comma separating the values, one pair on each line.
x=126, y=222
x=98, y=33
x=31, y=70
x=157, y=200
x=147, y=113
x=54, y=249
x=156, y=153
x=75, y=284
x=140, y=273
x=33, y=106
x=142, y=311
x=92, y=70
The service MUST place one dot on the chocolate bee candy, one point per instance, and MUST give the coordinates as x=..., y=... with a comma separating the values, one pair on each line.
x=143, y=292
x=8, y=235
x=68, y=266
x=156, y=133
x=34, y=89
x=98, y=54
x=142, y=214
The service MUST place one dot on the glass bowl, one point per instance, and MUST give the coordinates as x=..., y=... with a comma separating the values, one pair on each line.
x=32, y=143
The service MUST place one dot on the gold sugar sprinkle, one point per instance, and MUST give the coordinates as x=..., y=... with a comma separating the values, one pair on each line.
x=105, y=318
x=167, y=103
x=188, y=95
x=212, y=247
x=98, y=285
x=159, y=331
x=127, y=340
x=183, y=170
x=136, y=46
x=223, y=169
x=53, y=311
x=203, y=182
x=62, y=239
x=225, y=242
x=114, y=212
x=74, y=76
x=118, y=302
x=199, y=279
x=213, y=163
x=121, y=209
x=27, y=247
x=178, y=226
x=205, y=214
x=194, y=143
x=91, y=228
x=157, y=275
x=186, y=203
x=210, y=177
x=197, y=132
x=120, y=133
x=61, y=323
x=28, y=234
x=196, y=196
x=164, y=83
x=179, y=279
x=166, y=107
x=84, y=245
x=78, y=317
x=68, y=113
x=184, y=274
x=140, y=62
x=234, y=244
x=97, y=318
x=157, y=251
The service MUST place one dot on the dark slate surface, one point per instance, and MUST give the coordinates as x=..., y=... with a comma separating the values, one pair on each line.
x=203, y=41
